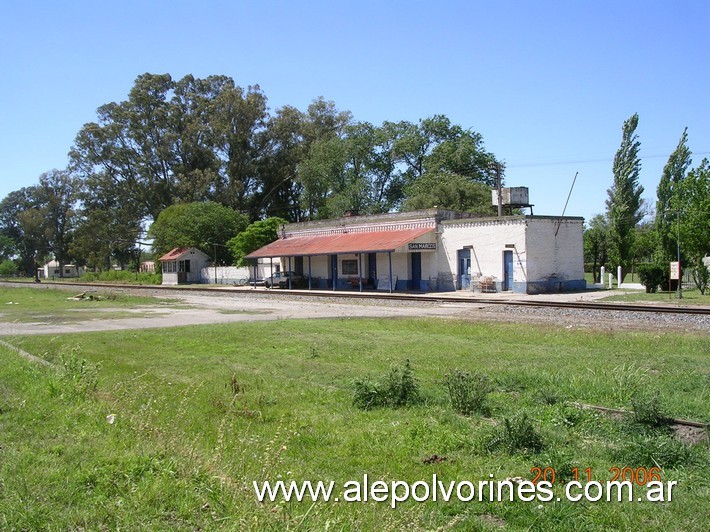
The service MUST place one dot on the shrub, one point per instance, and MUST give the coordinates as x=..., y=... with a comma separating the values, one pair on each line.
x=655, y=450
x=398, y=388
x=517, y=435
x=7, y=268
x=122, y=276
x=648, y=410
x=701, y=275
x=652, y=275
x=77, y=378
x=468, y=391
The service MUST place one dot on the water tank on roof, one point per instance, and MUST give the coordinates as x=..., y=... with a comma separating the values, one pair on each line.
x=512, y=196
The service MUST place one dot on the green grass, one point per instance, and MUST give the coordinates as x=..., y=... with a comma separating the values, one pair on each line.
x=52, y=305
x=201, y=412
x=121, y=276
x=691, y=296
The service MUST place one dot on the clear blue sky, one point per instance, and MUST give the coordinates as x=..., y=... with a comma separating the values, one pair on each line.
x=547, y=83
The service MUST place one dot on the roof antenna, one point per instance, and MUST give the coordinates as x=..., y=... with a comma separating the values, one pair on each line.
x=566, y=202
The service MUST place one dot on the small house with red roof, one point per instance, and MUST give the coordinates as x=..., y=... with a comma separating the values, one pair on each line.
x=183, y=266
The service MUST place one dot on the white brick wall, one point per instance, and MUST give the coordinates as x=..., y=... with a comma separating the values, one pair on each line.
x=560, y=255
x=488, y=239
x=541, y=259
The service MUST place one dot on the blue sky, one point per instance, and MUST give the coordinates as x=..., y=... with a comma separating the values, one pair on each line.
x=548, y=84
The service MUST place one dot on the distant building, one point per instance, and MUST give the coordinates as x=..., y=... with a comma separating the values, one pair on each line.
x=433, y=250
x=52, y=270
x=183, y=266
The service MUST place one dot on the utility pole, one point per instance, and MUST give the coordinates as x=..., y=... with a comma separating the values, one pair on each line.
x=499, y=171
x=679, y=291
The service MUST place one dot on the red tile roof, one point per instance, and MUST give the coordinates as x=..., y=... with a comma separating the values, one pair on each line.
x=376, y=241
x=173, y=254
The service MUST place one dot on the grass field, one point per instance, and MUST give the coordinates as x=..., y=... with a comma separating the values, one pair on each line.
x=200, y=413
x=691, y=296
x=24, y=304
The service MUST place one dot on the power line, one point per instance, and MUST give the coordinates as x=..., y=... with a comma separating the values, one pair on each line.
x=562, y=163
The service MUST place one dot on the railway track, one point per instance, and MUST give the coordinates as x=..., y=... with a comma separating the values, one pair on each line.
x=579, y=305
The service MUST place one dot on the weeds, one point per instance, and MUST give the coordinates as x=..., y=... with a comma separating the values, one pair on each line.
x=77, y=378
x=517, y=435
x=398, y=388
x=468, y=391
x=662, y=451
x=648, y=410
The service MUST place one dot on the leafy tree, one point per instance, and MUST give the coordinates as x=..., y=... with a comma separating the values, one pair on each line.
x=177, y=141
x=596, y=245
x=645, y=246
x=238, y=121
x=8, y=247
x=280, y=190
x=20, y=222
x=674, y=172
x=435, y=145
x=321, y=171
x=255, y=236
x=448, y=191
x=40, y=219
x=204, y=225
x=624, y=202
x=56, y=198
x=693, y=202
x=370, y=169
x=108, y=225
x=7, y=268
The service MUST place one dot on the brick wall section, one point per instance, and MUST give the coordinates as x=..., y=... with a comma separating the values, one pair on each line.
x=542, y=260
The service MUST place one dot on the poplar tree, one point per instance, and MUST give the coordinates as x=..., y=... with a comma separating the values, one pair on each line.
x=673, y=174
x=624, y=202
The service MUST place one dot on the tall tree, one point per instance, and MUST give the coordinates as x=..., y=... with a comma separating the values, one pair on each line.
x=238, y=120
x=8, y=247
x=596, y=245
x=57, y=197
x=26, y=238
x=109, y=224
x=40, y=220
x=255, y=236
x=624, y=197
x=207, y=226
x=692, y=201
x=322, y=167
x=449, y=191
x=674, y=172
x=280, y=190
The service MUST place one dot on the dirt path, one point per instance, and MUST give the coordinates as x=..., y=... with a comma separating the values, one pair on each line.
x=211, y=307
x=201, y=309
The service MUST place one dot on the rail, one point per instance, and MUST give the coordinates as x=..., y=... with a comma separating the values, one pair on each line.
x=438, y=298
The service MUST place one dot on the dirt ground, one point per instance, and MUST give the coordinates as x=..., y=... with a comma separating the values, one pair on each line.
x=247, y=304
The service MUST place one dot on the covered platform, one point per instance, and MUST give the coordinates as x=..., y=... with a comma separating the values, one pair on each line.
x=350, y=259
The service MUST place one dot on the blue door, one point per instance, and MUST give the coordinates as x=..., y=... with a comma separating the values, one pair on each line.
x=372, y=269
x=464, y=276
x=416, y=271
x=507, y=270
x=334, y=271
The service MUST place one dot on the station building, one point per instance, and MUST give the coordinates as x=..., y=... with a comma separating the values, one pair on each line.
x=432, y=250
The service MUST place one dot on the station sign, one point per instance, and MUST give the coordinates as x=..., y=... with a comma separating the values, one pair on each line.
x=421, y=246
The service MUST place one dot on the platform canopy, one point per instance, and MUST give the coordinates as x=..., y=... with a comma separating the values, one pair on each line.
x=359, y=242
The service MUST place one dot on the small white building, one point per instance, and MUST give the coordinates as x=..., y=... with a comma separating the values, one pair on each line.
x=433, y=250
x=183, y=266
x=53, y=270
